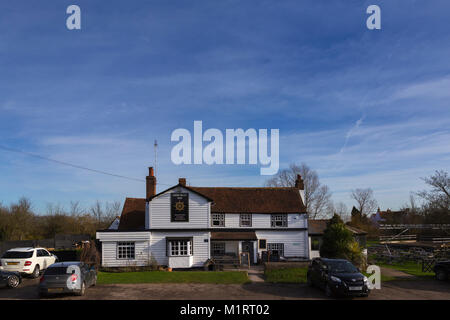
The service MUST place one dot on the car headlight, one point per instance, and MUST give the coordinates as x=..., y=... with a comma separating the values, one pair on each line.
x=335, y=279
x=365, y=280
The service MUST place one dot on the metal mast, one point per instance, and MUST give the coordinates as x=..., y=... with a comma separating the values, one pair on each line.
x=155, y=145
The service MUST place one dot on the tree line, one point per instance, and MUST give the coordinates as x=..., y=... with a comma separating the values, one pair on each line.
x=18, y=221
x=431, y=206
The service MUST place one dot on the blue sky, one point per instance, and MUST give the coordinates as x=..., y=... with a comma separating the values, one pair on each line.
x=363, y=108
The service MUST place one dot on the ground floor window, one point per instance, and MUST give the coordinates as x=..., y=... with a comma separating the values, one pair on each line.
x=180, y=247
x=315, y=243
x=276, y=249
x=217, y=248
x=262, y=243
x=125, y=250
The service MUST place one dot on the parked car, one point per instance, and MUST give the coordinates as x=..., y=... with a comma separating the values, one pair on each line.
x=67, y=277
x=337, y=277
x=10, y=279
x=29, y=261
x=442, y=270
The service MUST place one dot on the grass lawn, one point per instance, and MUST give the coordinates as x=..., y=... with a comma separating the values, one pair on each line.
x=298, y=275
x=223, y=277
x=409, y=267
x=288, y=275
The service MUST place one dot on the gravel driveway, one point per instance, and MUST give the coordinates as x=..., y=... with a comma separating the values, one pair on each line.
x=394, y=290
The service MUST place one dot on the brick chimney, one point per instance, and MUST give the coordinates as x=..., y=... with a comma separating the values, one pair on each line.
x=182, y=181
x=299, y=183
x=150, y=183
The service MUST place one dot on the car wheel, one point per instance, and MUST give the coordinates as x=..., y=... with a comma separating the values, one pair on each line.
x=36, y=272
x=82, y=290
x=328, y=291
x=13, y=281
x=441, y=275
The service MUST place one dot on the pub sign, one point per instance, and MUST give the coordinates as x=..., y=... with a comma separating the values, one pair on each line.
x=179, y=207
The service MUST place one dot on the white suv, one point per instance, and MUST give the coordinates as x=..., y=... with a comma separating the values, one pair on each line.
x=27, y=260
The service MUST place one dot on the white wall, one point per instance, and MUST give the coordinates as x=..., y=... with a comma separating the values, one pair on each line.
x=262, y=220
x=159, y=210
x=109, y=248
x=295, y=242
x=201, y=248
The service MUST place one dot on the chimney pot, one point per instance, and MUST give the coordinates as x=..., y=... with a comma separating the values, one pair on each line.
x=182, y=181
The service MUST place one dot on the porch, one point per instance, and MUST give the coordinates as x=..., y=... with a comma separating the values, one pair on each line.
x=234, y=248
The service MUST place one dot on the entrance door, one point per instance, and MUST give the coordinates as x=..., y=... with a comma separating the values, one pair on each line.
x=247, y=246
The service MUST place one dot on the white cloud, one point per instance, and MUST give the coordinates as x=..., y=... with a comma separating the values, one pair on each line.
x=438, y=88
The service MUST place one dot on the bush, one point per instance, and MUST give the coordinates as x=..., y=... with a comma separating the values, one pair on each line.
x=338, y=243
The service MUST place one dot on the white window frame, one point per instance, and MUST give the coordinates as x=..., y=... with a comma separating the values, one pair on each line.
x=276, y=246
x=220, y=217
x=180, y=248
x=126, y=250
x=247, y=218
x=279, y=217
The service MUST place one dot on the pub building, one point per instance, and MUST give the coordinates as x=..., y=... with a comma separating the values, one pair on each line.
x=187, y=227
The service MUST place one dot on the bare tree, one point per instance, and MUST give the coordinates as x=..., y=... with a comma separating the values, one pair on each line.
x=340, y=209
x=75, y=208
x=112, y=210
x=97, y=211
x=436, y=206
x=317, y=196
x=365, y=200
x=439, y=195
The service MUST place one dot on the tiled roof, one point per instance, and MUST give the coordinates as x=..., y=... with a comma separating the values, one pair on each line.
x=253, y=200
x=133, y=214
x=235, y=235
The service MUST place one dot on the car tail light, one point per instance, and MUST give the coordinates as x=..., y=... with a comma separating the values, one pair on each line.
x=73, y=277
x=27, y=263
x=42, y=279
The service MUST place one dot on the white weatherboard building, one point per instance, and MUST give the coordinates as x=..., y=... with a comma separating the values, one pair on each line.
x=184, y=226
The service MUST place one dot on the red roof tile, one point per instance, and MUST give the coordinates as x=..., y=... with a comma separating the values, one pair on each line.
x=133, y=214
x=234, y=235
x=253, y=200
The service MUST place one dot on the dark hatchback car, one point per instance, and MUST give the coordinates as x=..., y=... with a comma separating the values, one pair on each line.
x=10, y=279
x=67, y=277
x=337, y=277
x=442, y=270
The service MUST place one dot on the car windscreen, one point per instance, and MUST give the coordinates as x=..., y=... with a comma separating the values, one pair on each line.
x=55, y=270
x=341, y=267
x=17, y=254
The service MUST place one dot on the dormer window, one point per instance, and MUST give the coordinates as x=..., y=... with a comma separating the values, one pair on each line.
x=218, y=220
